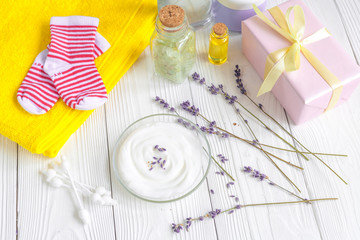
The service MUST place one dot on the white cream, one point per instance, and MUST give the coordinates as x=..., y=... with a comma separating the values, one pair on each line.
x=183, y=167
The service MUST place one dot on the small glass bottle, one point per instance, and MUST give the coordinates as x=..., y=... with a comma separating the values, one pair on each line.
x=172, y=44
x=218, y=46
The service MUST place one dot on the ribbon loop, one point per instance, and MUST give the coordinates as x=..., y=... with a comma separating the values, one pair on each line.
x=288, y=59
x=298, y=28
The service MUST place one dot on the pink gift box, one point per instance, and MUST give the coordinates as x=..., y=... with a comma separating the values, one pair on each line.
x=303, y=93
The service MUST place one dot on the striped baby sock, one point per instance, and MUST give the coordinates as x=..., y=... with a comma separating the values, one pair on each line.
x=70, y=62
x=37, y=93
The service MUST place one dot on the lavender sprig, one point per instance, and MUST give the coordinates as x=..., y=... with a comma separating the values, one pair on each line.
x=261, y=176
x=187, y=105
x=234, y=100
x=214, y=213
x=231, y=100
x=163, y=103
x=239, y=82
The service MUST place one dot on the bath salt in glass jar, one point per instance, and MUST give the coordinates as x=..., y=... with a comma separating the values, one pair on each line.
x=172, y=44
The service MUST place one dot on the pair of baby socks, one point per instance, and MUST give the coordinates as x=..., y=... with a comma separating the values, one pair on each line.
x=66, y=68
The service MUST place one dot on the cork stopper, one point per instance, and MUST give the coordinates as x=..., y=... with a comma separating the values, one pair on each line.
x=219, y=29
x=171, y=15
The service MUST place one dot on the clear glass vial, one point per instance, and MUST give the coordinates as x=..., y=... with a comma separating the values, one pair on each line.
x=218, y=44
x=198, y=12
x=172, y=44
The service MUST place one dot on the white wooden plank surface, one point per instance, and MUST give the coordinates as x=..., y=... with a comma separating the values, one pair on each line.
x=8, y=165
x=46, y=213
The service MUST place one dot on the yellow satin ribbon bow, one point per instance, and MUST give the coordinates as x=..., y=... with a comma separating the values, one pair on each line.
x=288, y=59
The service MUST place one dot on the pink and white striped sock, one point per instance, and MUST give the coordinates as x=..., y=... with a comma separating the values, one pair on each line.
x=70, y=62
x=37, y=93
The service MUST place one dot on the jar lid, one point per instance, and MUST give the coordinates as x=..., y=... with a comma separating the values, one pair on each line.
x=171, y=15
x=240, y=4
x=219, y=29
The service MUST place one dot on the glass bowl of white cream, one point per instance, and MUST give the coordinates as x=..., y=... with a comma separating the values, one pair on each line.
x=161, y=158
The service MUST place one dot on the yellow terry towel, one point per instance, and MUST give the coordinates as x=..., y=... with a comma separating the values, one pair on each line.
x=25, y=32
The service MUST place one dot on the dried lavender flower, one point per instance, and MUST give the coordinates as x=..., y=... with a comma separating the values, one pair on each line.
x=159, y=148
x=176, y=227
x=214, y=213
x=262, y=176
x=164, y=104
x=222, y=158
x=229, y=184
x=191, y=109
x=195, y=76
x=240, y=85
x=248, y=169
x=158, y=161
x=188, y=223
x=213, y=90
x=225, y=135
x=220, y=173
x=255, y=173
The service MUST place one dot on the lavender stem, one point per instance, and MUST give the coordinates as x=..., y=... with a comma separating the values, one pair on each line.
x=302, y=146
x=292, y=183
x=217, y=163
x=289, y=150
x=291, y=193
x=291, y=202
x=273, y=132
x=256, y=139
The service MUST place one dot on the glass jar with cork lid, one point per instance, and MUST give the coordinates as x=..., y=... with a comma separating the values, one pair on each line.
x=172, y=44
